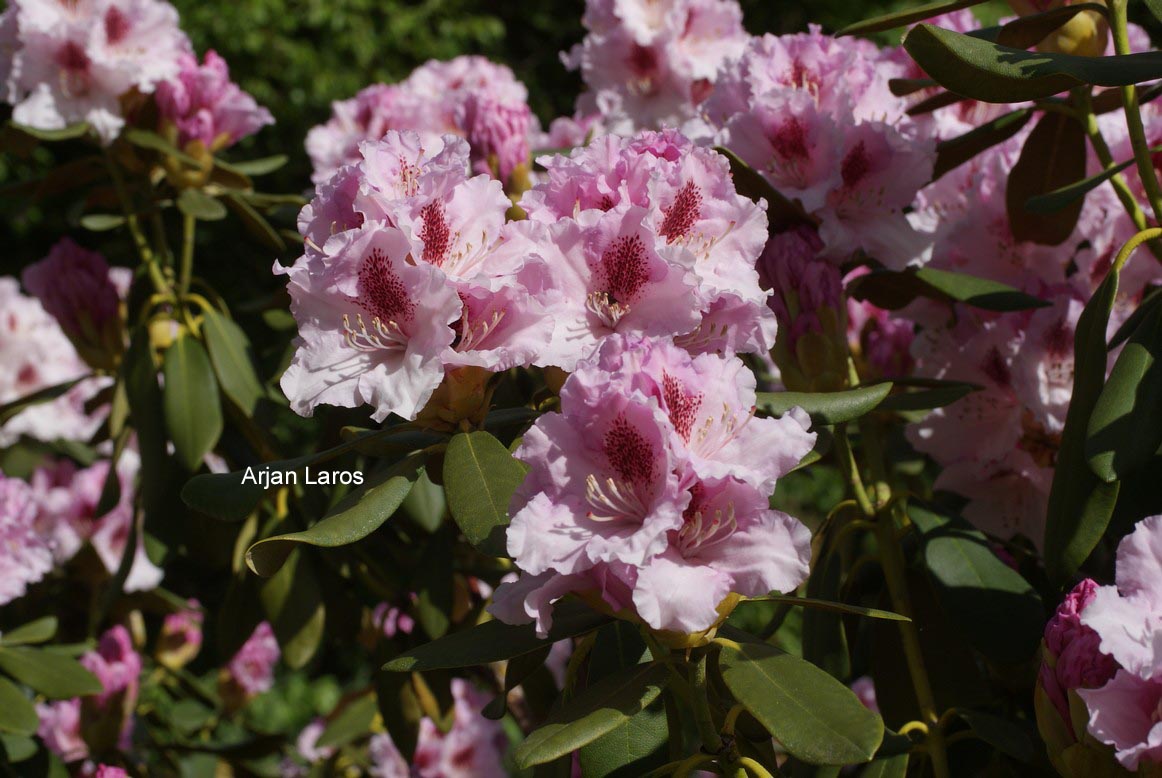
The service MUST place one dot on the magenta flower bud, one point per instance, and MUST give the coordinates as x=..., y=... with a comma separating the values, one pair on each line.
x=181, y=636
x=74, y=286
x=205, y=105
x=811, y=348
x=106, y=718
x=252, y=668
x=498, y=133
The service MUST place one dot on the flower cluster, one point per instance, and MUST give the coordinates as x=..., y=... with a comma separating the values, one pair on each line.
x=473, y=748
x=412, y=275
x=25, y=555
x=815, y=116
x=1102, y=657
x=64, y=63
x=649, y=492
x=75, y=728
x=202, y=104
x=649, y=65
x=466, y=96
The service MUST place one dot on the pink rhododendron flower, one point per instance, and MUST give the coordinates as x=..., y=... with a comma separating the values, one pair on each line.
x=252, y=668
x=1077, y=660
x=181, y=635
x=473, y=748
x=37, y=355
x=73, y=62
x=74, y=286
x=391, y=620
x=117, y=666
x=307, y=743
x=865, y=689
x=643, y=487
x=880, y=341
x=105, y=771
x=468, y=96
x=205, y=105
x=60, y=729
x=648, y=65
x=1128, y=619
x=25, y=557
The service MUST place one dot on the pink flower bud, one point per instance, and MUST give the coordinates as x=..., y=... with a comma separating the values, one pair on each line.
x=181, y=636
x=205, y=105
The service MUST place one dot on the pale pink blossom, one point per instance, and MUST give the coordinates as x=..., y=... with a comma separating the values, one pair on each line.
x=252, y=667
x=392, y=620
x=117, y=666
x=105, y=771
x=60, y=728
x=25, y=556
x=307, y=743
x=181, y=635
x=205, y=105
x=865, y=689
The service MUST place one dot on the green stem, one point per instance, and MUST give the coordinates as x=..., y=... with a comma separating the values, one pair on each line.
x=1102, y=150
x=851, y=468
x=703, y=718
x=187, y=268
x=139, y=240
x=1134, y=114
x=750, y=766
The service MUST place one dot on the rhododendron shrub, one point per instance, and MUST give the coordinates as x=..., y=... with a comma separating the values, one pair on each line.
x=790, y=408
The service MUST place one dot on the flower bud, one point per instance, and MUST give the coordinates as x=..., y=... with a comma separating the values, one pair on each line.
x=251, y=671
x=811, y=347
x=463, y=395
x=74, y=286
x=181, y=637
x=498, y=133
x=106, y=717
x=1084, y=35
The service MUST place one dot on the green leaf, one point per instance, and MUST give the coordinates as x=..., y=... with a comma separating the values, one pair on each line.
x=480, y=476
x=1026, y=31
x=17, y=747
x=139, y=375
x=1155, y=7
x=295, y=609
x=516, y=670
x=230, y=354
x=354, y=518
x=17, y=713
x=54, y=675
x=828, y=605
x=198, y=204
x=895, y=289
x=255, y=167
x=1052, y=157
x=906, y=17
x=254, y=222
x=433, y=585
x=600, y=709
x=954, y=152
x=494, y=641
x=39, y=631
x=1150, y=300
x=815, y=717
x=102, y=222
x=1070, y=193
x=824, y=638
x=887, y=767
x=902, y=87
x=65, y=133
x=1125, y=428
x=1080, y=503
x=10, y=409
x=942, y=394
x=826, y=407
x=350, y=723
x=147, y=139
x=1002, y=734
x=782, y=214
x=630, y=750
x=986, y=71
x=425, y=504
x=996, y=609
x=193, y=414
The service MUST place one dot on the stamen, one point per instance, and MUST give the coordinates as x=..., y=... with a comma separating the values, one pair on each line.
x=605, y=309
x=383, y=335
x=613, y=500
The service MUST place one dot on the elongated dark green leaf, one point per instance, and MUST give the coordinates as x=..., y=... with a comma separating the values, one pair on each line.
x=954, y=152
x=255, y=167
x=354, y=518
x=1070, y=193
x=480, y=476
x=255, y=223
x=1150, y=301
x=11, y=409
x=432, y=584
x=824, y=638
x=147, y=139
x=1053, y=156
x=600, y=709
x=887, y=767
x=828, y=605
x=999, y=74
x=996, y=609
x=782, y=214
x=902, y=87
x=906, y=17
x=352, y=722
x=38, y=631
x=17, y=713
x=201, y=206
x=493, y=641
x=894, y=289
x=426, y=504
x=230, y=354
x=1026, y=31
x=102, y=222
x=54, y=675
x=826, y=407
x=1080, y=503
x=1155, y=7
x=1125, y=428
x=516, y=670
x=941, y=99
x=631, y=749
x=928, y=398
x=64, y=133
x=1003, y=735
x=815, y=717
x=193, y=414
x=295, y=609
x=18, y=748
